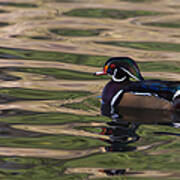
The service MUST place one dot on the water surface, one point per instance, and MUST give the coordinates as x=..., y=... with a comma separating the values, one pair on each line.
x=50, y=121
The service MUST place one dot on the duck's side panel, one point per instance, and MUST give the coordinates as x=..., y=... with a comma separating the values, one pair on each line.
x=144, y=102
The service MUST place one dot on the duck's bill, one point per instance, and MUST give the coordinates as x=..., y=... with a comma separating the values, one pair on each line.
x=100, y=73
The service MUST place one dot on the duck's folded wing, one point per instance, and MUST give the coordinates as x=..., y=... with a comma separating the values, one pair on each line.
x=163, y=89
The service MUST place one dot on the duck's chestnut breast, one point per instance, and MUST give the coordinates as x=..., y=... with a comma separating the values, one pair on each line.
x=111, y=89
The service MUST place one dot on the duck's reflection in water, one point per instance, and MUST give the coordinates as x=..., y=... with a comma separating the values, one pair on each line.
x=149, y=116
x=122, y=130
x=120, y=136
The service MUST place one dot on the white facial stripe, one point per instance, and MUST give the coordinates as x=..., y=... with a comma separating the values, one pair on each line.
x=176, y=94
x=125, y=70
x=115, y=72
x=114, y=100
x=118, y=80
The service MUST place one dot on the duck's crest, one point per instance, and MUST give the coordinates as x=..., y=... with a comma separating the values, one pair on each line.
x=128, y=65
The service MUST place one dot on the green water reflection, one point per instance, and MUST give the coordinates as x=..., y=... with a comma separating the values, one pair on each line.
x=13, y=53
x=49, y=118
x=52, y=142
x=32, y=94
x=138, y=1
x=164, y=24
x=20, y=5
x=109, y=13
x=3, y=24
x=89, y=103
x=149, y=46
x=76, y=32
x=61, y=74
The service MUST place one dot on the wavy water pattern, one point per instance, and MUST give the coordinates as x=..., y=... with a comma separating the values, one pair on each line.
x=50, y=121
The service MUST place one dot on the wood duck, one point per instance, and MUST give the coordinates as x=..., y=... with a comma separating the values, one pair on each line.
x=121, y=91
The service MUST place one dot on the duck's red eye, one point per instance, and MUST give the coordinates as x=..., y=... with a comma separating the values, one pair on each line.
x=112, y=66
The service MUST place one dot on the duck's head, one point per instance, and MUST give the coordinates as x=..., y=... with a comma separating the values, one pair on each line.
x=121, y=69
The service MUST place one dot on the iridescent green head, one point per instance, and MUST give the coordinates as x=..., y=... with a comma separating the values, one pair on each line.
x=121, y=68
